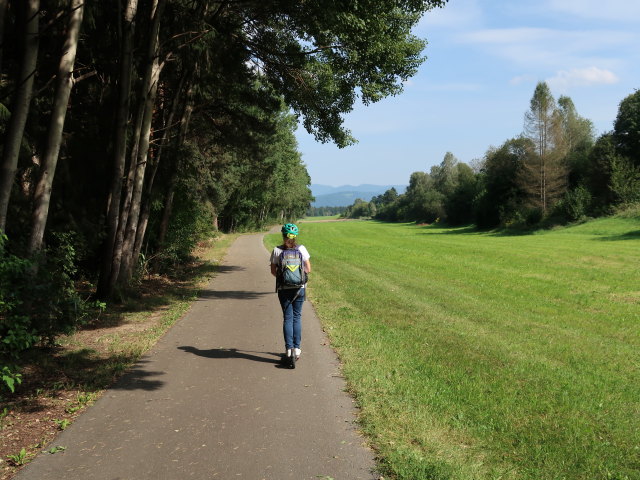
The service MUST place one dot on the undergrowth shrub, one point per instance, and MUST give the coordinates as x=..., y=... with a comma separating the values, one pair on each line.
x=625, y=181
x=38, y=301
x=191, y=222
x=575, y=204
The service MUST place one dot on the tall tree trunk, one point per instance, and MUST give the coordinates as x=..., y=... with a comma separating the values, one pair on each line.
x=150, y=85
x=3, y=11
x=168, y=204
x=146, y=206
x=166, y=212
x=134, y=215
x=20, y=107
x=216, y=226
x=105, y=285
x=56, y=125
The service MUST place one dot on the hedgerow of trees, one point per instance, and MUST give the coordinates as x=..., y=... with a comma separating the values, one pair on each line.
x=325, y=211
x=131, y=129
x=555, y=172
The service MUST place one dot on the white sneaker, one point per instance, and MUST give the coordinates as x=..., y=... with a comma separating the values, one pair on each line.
x=289, y=350
x=297, y=352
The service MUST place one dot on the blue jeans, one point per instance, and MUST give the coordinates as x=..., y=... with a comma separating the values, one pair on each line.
x=292, y=313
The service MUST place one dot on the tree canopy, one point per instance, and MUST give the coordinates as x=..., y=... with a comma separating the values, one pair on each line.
x=132, y=129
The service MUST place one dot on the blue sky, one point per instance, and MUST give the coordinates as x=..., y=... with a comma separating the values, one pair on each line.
x=484, y=59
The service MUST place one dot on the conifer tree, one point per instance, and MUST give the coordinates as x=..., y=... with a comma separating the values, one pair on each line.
x=544, y=175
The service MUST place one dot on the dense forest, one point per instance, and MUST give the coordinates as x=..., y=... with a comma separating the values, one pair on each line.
x=555, y=172
x=131, y=129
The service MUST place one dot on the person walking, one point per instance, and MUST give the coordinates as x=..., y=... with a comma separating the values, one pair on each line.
x=290, y=264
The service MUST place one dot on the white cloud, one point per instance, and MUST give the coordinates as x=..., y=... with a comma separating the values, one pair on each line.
x=582, y=77
x=538, y=48
x=616, y=10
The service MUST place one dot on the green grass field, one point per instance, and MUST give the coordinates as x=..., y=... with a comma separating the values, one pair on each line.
x=487, y=356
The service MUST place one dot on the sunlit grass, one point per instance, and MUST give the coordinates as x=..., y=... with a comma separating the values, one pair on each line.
x=481, y=355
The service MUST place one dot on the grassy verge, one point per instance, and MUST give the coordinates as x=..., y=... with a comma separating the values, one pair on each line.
x=483, y=355
x=60, y=382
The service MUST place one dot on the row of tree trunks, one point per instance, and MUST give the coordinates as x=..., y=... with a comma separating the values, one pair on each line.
x=164, y=140
x=140, y=161
x=54, y=137
x=106, y=282
x=20, y=105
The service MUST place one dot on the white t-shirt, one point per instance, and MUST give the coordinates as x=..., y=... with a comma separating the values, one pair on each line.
x=275, y=255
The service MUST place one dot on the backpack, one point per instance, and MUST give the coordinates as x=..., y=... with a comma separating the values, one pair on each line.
x=291, y=272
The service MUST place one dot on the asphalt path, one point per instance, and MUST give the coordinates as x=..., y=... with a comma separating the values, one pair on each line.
x=212, y=401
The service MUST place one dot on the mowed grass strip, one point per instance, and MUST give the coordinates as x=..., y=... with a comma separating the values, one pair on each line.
x=481, y=356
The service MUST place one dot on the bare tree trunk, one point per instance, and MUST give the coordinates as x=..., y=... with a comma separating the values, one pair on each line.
x=134, y=213
x=150, y=87
x=105, y=283
x=56, y=125
x=215, y=220
x=20, y=107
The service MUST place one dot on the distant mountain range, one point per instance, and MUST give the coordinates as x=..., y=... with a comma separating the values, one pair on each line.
x=328, y=196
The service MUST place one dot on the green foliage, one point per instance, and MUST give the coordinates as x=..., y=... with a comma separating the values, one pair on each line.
x=56, y=449
x=18, y=459
x=335, y=51
x=10, y=377
x=62, y=424
x=51, y=298
x=459, y=204
x=38, y=301
x=627, y=128
x=575, y=205
x=386, y=205
x=601, y=158
x=422, y=202
x=325, y=211
x=359, y=209
x=16, y=332
x=625, y=180
x=531, y=217
x=192, y=222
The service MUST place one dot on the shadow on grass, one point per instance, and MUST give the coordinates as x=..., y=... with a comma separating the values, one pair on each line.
x=633, y=235
x=223, y=353
x=473, y=230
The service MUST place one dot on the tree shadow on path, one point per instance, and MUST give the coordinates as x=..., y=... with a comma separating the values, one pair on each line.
x=231, y=294
x=139, y=379
x=221, y=353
